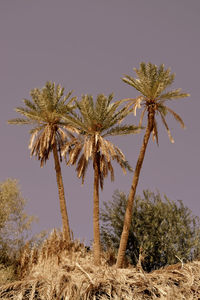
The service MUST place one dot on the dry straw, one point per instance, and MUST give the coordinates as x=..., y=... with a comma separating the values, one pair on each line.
x=61, y=271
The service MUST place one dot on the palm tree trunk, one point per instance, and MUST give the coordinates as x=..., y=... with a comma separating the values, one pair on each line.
x=96, y=227
x=63, y=209
x=130, y=202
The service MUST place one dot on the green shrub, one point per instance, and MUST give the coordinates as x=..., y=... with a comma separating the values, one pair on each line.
x=164, y=231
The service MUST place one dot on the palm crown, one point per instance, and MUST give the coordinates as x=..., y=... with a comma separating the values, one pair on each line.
x=95, y=121
x=45, y=114
x=152, y=83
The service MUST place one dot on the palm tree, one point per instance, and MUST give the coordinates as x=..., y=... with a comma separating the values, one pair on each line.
x=95, y=121
x=152, y=82
x=49, y=132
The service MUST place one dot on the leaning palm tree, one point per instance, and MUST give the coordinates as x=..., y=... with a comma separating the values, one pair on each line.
x=96, y=121
x=152, y=82
x=49, y=132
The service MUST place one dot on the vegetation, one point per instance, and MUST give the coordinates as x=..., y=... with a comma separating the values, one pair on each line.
x=15, y=227
x=152, y=82
x=163, y=232
x=49, y=132
x=65, y=271
x=95, y=122
x=15, y=224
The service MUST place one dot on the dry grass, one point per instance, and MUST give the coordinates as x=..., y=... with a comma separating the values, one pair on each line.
x=63, y=271
x=7, y=274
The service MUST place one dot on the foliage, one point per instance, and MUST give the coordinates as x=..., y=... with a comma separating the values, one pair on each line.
x=48, y=131
x=152, y=82
x=95, y=121
x=15, y=224
x=162, y=231
x=44, y=113
x=60, y=270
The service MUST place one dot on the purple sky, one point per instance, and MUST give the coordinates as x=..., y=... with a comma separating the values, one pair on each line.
x=87, y=46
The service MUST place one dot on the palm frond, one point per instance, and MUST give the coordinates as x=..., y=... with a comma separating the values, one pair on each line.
x=58, y=93
x=176, y=116
x=76, y=122
x=81, y=165
x=155, y=132
x=137, y=105
x=33, y=135
x=74, y=154
x=174, y=94
x=142, y=117
x=167, y=128
x=63, y=101
x=68, y=145
x=110, y=168
x=87, y=147
x=37, y=128
x=122, y=130
x=32, y=115
x=100, y=107
x=20, y=121
x=35, y=93
x=103, y=166
x=85, y=110
x=106, y=148
x=161, y=108
x=112, y=111
x=135, y=83
x=29, y=104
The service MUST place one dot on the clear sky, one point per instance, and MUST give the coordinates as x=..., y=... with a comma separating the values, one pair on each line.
x=87, y=46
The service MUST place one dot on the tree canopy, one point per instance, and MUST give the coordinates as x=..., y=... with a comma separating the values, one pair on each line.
x=15, y=224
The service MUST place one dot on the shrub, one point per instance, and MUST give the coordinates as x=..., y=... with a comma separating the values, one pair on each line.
x=162, y=231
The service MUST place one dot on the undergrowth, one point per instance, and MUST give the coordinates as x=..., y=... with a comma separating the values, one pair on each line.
x=64, y=271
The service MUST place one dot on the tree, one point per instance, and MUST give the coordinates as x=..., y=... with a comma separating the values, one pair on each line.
x=96, y=121
x=165, y=230
x=152, y=82
x=14, y=222
x=49, y=132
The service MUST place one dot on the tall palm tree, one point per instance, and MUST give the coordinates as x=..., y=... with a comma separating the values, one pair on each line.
x=152, y=82
x=96, y=121
x=49, y=132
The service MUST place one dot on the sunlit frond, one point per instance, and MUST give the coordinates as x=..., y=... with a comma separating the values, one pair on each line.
x=32, y=115
x=87, y=147
x=20, y=121
x=171, y=95
x=122, y=130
